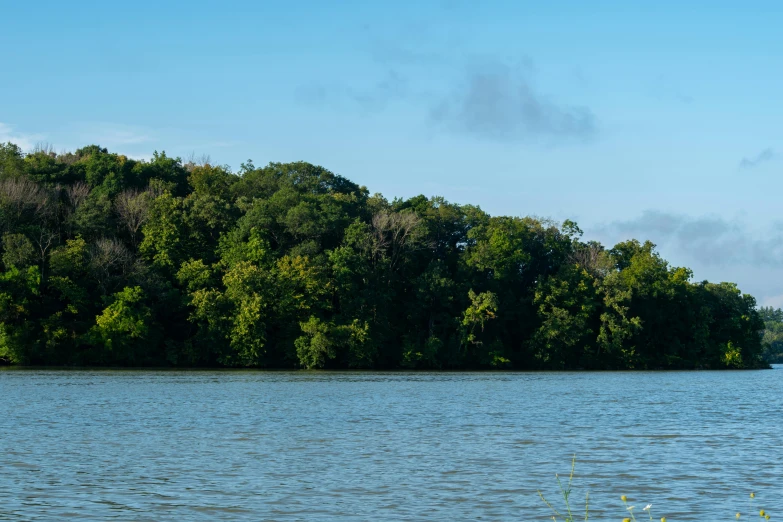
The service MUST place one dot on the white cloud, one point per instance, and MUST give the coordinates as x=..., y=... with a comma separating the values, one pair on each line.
x=110, y=134
x=25, y=141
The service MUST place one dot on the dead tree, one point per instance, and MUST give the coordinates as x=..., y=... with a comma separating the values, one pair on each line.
x=395, y=233
x=133, y=209
x=108, y=260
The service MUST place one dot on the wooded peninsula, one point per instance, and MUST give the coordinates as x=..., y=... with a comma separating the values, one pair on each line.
x=112, y=261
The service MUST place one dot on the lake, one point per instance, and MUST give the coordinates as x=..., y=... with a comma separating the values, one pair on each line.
x=251, y=445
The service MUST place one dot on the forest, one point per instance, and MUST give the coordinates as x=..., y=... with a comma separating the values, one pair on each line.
x=111, y=261
x=773, y=334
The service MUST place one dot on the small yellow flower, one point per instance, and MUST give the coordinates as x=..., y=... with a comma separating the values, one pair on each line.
x=766, y=517
x=623, y=498
x=761, y=513
x=752, y=495
x=663, y=519
x=626, y=520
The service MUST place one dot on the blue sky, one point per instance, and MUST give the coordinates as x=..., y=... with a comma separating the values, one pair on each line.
x=657, y=120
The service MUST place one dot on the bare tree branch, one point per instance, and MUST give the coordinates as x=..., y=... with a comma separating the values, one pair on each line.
x=396, y=232
x=108, y=260
x=77, y=193
x=22, y=198
x=591, y=257
x=132, y=207
x=45, y=240
x=194, y=161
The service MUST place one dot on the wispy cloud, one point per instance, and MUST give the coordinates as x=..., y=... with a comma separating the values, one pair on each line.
x=762, y=157
x=391, y=87
x=393, y=53
x=499, y=103
x=25, y=141
x=775, y=301
x=427, y=41
x=664, y=89
x=708, y=240
x=111, y=134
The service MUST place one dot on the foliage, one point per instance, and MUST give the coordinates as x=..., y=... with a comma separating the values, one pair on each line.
x=122, y=330
x=109, y=260
x=773, y=333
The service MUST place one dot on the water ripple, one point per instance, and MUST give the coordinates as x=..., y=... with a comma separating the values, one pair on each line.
x=244, y=445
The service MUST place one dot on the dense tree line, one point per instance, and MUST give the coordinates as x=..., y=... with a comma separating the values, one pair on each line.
x=773, y=334
x=111, y=261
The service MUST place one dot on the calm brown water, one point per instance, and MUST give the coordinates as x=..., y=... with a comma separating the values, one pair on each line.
x=151, y=445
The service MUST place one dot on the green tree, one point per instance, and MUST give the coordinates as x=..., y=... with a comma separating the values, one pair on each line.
x=18, y=251
x=773, y=333
x=11, y=161
x=290, y=265
x=122, y=330
x=567, y=304
x=19, y=291
x=315, y=347
x=164, y=242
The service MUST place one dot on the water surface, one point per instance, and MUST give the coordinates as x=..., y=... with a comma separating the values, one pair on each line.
x=247, y=445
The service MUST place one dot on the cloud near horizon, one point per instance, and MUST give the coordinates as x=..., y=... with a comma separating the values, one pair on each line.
x=27, y=142
x=715, y=248
x=775, y=301
x=709, y=240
